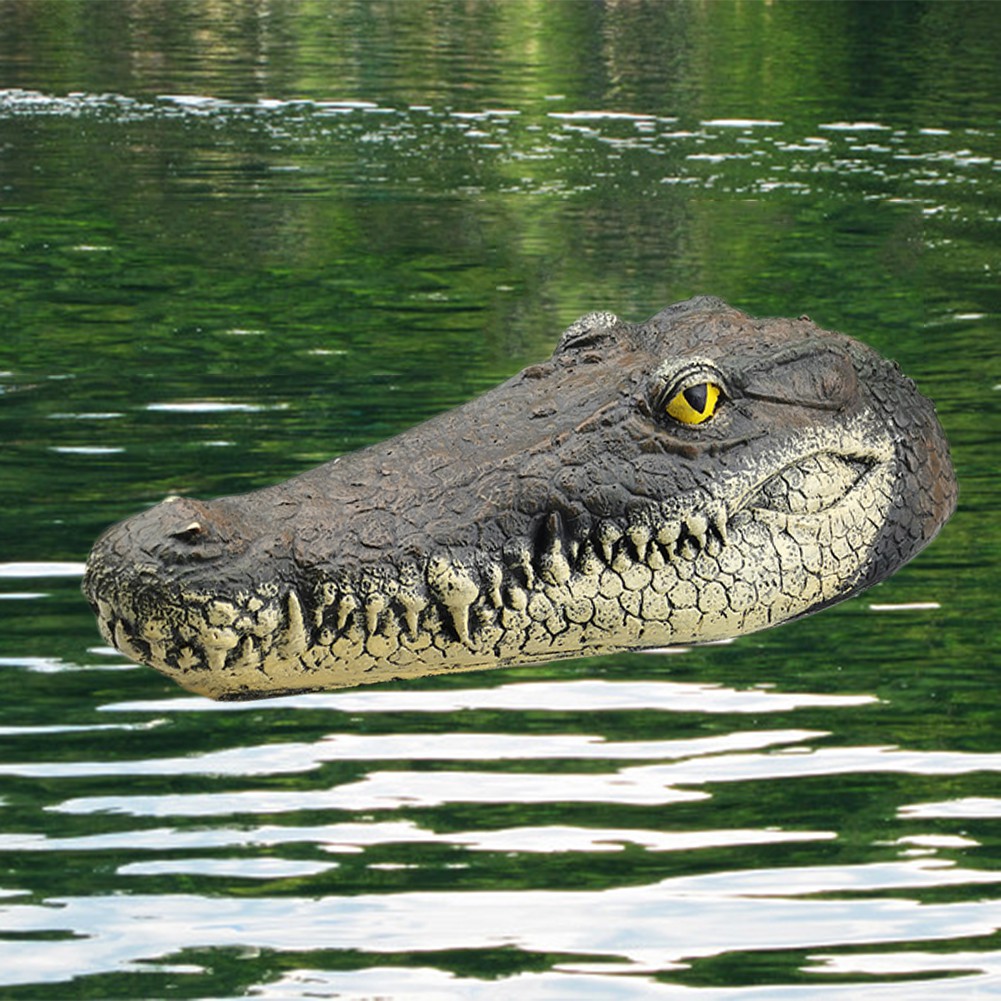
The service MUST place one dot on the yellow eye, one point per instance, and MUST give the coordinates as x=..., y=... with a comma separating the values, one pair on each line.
x=694, y=404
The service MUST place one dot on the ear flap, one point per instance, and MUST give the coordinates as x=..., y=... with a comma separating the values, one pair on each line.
x=588, y=332
x=810, y=374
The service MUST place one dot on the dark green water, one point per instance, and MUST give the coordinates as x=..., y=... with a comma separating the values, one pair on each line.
x=239, y=238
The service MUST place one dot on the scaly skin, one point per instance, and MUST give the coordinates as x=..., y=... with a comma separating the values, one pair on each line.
x=564, y=513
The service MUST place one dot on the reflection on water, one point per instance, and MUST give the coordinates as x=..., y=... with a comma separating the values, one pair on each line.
x=499, y=153
x=242, y=240
x=539, y=829
x=668, y=922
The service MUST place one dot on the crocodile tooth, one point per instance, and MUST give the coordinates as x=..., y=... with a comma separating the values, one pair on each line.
x=588, y=563
x=640, y=536
x=411, y=594
x=294, y=639
x=553, y=565
x=217, y=641
x=373, y=607
x=669, y=532
x=187, y=659
x=718, y=518
x=518, y=557
x=267, y=625
x=452, y=585
x=527, y=568
x=296, y=623
x=550, y=533
x=608, y=534
x=668, y=535
x=555, y=568
x=345, y=607
x=697, y=525
x=327, y=596
x=494, y=576
x=552, y=527
x=413, y=603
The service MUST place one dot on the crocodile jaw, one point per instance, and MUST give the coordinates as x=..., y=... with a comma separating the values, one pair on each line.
x=691, y=570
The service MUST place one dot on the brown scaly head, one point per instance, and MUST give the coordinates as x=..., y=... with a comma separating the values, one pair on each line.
x=698, y=476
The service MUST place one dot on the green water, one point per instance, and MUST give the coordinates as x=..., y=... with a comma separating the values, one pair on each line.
x=239, y=238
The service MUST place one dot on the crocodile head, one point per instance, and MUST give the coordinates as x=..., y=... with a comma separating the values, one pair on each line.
x=698, y=476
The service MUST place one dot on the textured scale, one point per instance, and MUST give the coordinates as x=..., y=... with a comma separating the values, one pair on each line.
x=564, y=513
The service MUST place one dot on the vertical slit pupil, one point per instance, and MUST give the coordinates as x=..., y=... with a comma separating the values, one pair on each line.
x=697, y=397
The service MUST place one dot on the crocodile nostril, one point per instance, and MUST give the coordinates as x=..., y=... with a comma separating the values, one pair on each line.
x=190, y=534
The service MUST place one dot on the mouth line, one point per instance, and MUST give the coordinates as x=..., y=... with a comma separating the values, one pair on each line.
x=814, y=486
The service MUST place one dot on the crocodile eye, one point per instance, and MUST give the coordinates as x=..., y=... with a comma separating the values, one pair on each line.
x=694, y=404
